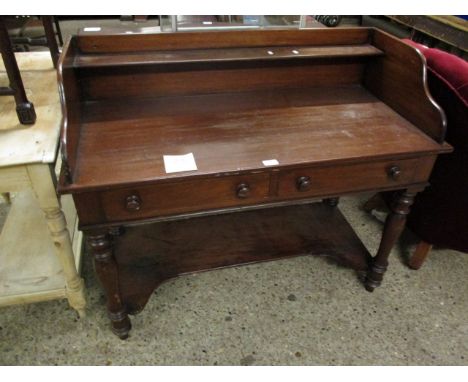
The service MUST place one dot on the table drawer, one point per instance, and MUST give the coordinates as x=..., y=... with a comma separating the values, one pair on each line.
x=331, y=180
x=184, y=196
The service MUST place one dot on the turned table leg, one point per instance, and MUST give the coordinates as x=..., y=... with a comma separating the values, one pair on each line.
x=107, y=271
x=42, y=183
x=394, y=225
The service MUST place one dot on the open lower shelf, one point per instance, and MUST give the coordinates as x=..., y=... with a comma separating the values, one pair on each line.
x=224, y=55
x=232, y=132
x=30, y=271
x=152, y=253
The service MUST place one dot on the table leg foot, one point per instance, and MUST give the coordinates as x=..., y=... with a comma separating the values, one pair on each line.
x=122, y=335
x=76, y=297
x=121, y=324
x=26, y=113
x=81, y=313
x=374, y=276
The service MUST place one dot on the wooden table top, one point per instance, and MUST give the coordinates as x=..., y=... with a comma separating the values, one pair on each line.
x=38, y=143
x=124, y=142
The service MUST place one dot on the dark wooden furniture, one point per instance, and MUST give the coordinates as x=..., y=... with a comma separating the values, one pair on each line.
x=439, y=215
x=24, y=108
x=341, y=110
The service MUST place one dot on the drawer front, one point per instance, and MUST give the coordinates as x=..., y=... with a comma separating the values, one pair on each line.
x=333, y=180
x=184, y=196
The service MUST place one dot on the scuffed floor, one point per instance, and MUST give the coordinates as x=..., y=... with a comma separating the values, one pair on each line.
x=302, y=311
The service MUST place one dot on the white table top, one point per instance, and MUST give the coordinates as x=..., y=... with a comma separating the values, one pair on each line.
x=38, y=143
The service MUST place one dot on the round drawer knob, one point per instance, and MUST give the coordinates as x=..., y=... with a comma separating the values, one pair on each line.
x=394, y=172
x=243, y=191
x=133, y=203
x=303, y=183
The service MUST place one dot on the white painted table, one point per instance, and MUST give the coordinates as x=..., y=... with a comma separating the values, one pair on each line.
x=40, y=245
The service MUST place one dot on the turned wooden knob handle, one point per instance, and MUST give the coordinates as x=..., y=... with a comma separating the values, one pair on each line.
x=394, y=172
x=133, y=203
x=243, y=191
x=303, y=183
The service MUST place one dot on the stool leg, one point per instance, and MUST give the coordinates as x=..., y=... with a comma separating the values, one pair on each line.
x=419, y=255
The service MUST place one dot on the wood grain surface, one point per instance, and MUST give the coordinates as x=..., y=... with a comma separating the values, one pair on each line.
x=229, y=133
x=97, y=43
x=227, y=54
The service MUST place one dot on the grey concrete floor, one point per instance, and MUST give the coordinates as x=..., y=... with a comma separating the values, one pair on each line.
x=301, y=311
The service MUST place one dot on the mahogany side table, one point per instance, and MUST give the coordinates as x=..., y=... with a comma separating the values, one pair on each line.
x=194, y=151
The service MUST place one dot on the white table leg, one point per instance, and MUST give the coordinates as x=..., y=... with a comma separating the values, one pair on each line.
x=41, y=176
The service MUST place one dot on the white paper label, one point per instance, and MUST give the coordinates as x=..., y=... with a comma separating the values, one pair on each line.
x=270, y=162
x=92, y=29
x=178, y=163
